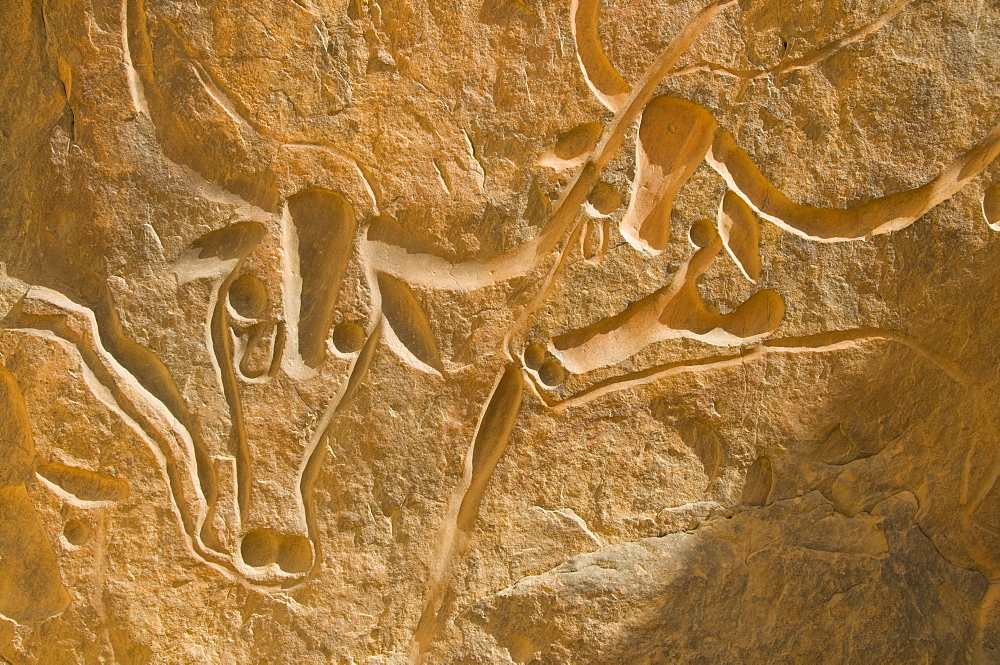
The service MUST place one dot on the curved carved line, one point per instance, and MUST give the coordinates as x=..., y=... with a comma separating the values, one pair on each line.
x=808, y=60
x=674, y=311
x=496, y=423
x=315, y=452
x=115, y=387
x=818, y=343
x=432, y=271
x=602, y=76
x=882, y=215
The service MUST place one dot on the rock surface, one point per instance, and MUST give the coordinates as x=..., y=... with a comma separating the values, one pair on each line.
x=385, y=331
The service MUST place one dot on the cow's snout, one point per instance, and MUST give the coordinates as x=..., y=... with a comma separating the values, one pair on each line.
x=262, y=547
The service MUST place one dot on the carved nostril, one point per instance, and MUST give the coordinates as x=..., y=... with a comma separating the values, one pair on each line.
x=702, y=233
x=295, y=554
x=534, y=355
x=259, y=547
x=262, y=547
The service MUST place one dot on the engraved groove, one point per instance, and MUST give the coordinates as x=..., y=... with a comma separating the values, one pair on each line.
x=740, y=233
x=324, y=224
x=601, y=75
x=421, y=269
x=759, y=482
x=496, y=423
x=409, y=331
x=315, y=452
x=116, y=388
x=222, y=149
x=818, y=343
x=184, y=139
x=229, y=245
x=572, y=147
x=812, y=58
x=83, y=484
x=893, y=212
x=674, y=137
x=991, y=206
x=672, y=312
x=31, y=587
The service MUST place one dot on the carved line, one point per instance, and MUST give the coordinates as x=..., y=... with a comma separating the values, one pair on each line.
x=886, y=214
x=496, y=422
x=818, y=343
x=675, y=310
x=216, y=89
x=812, y=58
x=111, y=384
x=165, y=436
x=601, y=75
x=519, y=325
x=435, y=272
x=134, y=84
x=222, y=347
x=315, y=451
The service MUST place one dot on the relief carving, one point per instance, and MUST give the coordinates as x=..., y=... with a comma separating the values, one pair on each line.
x=307, y=281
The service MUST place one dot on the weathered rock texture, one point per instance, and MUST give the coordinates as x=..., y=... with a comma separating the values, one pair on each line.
x=488, y=331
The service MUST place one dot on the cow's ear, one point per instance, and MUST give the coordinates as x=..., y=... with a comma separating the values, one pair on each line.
x=219, y=251
x=410, y=336
x=235, y=241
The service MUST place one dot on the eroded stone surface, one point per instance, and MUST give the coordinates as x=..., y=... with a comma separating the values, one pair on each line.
x=499, y=331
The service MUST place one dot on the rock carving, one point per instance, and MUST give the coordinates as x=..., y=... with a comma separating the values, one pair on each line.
x=263, y=336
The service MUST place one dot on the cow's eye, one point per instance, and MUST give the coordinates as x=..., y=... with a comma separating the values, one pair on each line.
x=248, y=296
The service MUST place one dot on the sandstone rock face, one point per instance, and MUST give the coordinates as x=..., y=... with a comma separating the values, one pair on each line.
x=492, y=331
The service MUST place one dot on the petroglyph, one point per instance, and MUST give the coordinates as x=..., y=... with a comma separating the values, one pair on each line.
x=236, y=324
x=674, y=136
x=408, y=331
x=82, y=484
x=740, y=233
x=882, y=215
x=991, y=206
x=759, y=482
x=573, y=146
x=672, y=312
x=31, y=587
x=496, y=423
x=324, y=224
x=293, y=244
x=602, y=76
